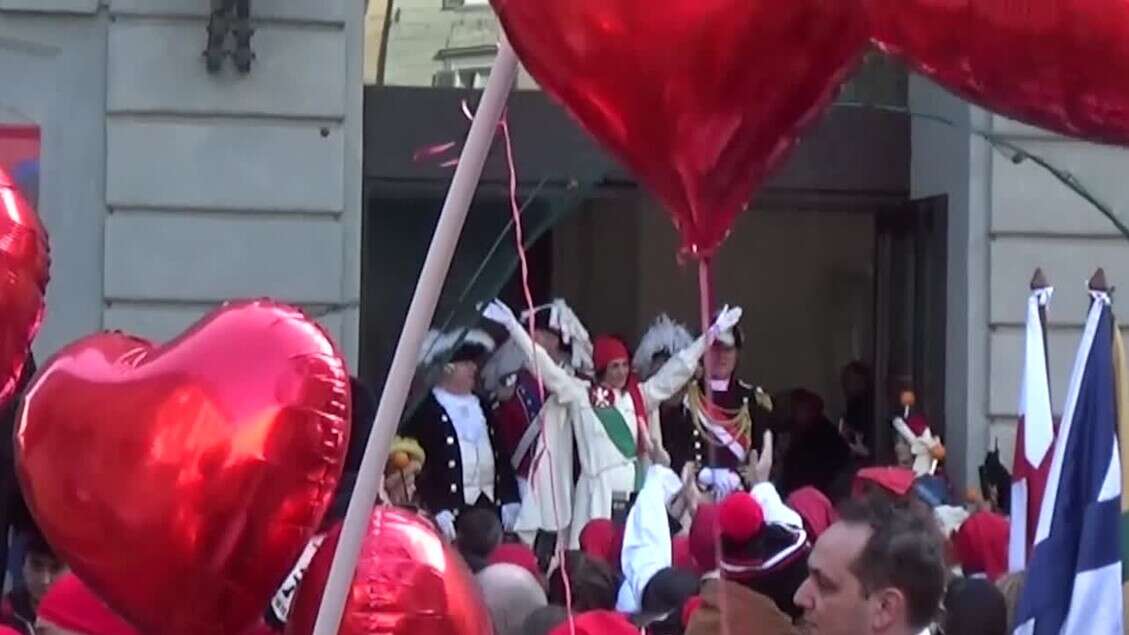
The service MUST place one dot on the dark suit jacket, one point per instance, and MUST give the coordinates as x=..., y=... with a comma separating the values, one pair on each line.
x=440, y=483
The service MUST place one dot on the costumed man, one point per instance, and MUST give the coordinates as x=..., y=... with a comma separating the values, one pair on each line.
x=724, y=422
x=660, y=342
x=534, y=425
x=465, y=467
x=615, y=418
x=915, y=446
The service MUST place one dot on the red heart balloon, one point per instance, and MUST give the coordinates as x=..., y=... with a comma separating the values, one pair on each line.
x=24, y=264
x=407, y=582
x=1054, y=64
x=182, y=481
x=700, y=98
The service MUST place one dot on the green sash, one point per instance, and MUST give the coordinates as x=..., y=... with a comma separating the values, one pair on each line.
x=622, y=438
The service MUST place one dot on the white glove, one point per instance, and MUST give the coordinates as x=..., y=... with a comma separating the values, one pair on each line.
x=720, y=481
x=726, y=320
x=498, y=312
x=510, y=513
x=446, y=521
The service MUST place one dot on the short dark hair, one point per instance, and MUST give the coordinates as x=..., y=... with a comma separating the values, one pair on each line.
x=905, y=551
x=593, y=584
x=544, y=620
x=478, y=532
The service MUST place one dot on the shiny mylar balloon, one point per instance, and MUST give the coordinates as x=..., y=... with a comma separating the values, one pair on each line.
x=407, y=582
x=699, y=98
x=1058, y=64
x=182, y=481
x=24, y=264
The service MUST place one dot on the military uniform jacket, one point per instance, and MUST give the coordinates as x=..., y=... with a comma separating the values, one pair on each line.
x=440, y=482
x=690, y=444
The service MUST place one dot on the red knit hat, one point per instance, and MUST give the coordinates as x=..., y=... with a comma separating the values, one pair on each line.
x=981, y=544
x=520, y=555
x=598, y=623
x=607, y=349
x=896, y=480
x=702, y=532
x=71, y=605
x=602, y=540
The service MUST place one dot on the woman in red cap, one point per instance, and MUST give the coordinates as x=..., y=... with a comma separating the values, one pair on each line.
x=615, y=418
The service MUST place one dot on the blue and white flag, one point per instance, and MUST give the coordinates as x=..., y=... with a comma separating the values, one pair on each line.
x=1074, y=576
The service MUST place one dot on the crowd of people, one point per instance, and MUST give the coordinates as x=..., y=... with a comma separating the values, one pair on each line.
x=595, y=490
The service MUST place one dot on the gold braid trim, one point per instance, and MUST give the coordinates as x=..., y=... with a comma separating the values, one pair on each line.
x=738, y=420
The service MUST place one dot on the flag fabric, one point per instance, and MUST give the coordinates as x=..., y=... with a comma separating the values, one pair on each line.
x=1121, y=386
x=1073, y=582
x=1034, y=437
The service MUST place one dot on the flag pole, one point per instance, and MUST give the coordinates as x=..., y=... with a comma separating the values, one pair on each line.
x=420, y=313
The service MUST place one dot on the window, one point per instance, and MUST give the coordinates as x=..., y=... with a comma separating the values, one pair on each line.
x=459, y=4
x=461, y=78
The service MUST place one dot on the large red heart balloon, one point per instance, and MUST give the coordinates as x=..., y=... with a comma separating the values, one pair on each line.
x=1058, y=64
x=700, y=98
x=407, y=582
x=183, y=481
x=24, y=267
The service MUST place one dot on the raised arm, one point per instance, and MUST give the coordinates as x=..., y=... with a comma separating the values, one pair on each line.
x=679, y=369
x=556, y=379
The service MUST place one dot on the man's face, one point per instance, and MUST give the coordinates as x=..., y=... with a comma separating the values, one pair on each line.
x=40, y=572
x=832, y=597
x=723, y=361
x=616, y=374
x=551, y=342
x=461, y=377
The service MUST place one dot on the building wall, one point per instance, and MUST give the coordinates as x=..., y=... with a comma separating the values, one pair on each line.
x=167, y=190
x=1006, y=219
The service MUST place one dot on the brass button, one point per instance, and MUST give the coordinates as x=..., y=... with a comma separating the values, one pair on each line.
x=451, y=464
x=450, y=440
x=454, y=488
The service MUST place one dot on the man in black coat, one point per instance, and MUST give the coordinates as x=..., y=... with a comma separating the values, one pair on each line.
x=465, y=466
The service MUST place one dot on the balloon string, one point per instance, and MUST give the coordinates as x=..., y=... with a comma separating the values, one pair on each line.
x=705, y=303
x=547, y=456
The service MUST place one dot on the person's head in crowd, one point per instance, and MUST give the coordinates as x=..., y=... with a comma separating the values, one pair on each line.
x=855, y=380
x=981, y=545
x=71, y=608
x=459, y=375
x=544, y=620
x=974, y=607
x=703, y=530
x=681, y=556
x=593, y=584
x=807, y=409
x=478, y=532
x=511, y=594
x=1011, y=586
x=815, y=509
x=769, y=558
x=603, y=540
x=889, y=482
x=879, y=570
x=41, y=567
x=725, y=352
x=729, y=608
x=518, y=554
x=612, y=361
x=597, y=623
x=665, y=596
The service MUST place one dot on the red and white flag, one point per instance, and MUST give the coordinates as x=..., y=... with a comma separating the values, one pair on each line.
x=1034, y=438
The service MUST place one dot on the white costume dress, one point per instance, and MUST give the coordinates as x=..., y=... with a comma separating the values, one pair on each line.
x=604, y=469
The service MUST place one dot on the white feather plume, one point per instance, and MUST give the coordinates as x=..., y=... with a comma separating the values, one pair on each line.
x=664, y=336
x=573, y=333
x=438, y=344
